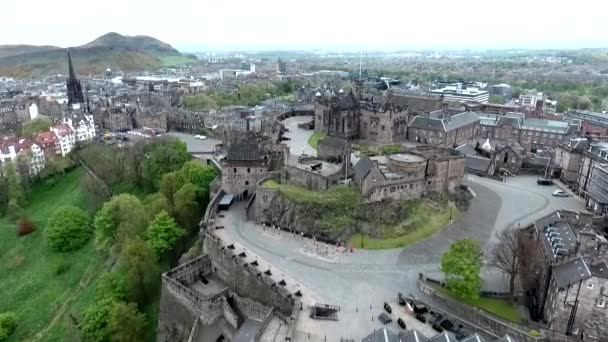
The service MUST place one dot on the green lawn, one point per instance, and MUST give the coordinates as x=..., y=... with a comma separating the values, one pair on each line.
x=36, y=282
x=271, y=183
x=424, y=223
x=502, y=308
x=314, y=139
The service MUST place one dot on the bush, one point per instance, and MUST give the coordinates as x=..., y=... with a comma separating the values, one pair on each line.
x=62, y=268
x=8, y=323
x=25, y=227
x=14, y=210
x=68, y=229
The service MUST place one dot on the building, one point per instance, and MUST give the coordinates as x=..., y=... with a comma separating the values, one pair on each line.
x=66, y=138
x=387, y=335
x=503, y=90
x=11, y=149
x=457, y=93
x=592, y=123
x=244, y=165
x=567, y=251
x=410, y=174
x=74, y=89
x=281, y=66
x=49, y=143
x=82, y=125
x=533, y=134
x=597, y=193
x=493, y=157
x=567, y=159
x=444, y=128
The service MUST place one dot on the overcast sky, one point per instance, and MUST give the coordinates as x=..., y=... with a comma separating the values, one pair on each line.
x=206, y=25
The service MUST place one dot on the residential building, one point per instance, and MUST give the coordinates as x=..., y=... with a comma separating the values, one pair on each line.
x=82, y=125
x=567, y=159
x=65, y=136
x=457, y=93
x=443, y=128
x=49, y=143
x=597, y=193
x=32, y=153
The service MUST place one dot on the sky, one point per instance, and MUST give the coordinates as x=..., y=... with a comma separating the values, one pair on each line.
x=213, y=25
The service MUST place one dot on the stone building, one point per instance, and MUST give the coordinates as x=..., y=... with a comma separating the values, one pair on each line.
x=568, y=254
x=444, y=128
x=410, y=174
x=244, y=165
x=493, y=157
x=567, y=159
x=592, y=123
x=186, y=121
x=533, y=134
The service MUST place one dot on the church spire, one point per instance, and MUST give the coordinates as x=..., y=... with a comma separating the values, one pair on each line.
x=73, y=85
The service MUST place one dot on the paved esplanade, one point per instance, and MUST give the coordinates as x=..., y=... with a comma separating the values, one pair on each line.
x=354, y=281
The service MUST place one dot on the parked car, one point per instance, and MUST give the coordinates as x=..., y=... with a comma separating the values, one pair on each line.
x=447, y=324
x=200, y=137
x=544, y=181
x=400, y=298
x=560, y=193
x=388, y=308
x=421, y=317
x=401, y=323
x=420, y=308
x=384, y=318
x=437, y=327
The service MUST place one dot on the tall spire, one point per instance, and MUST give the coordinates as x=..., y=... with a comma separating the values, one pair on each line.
x=73, y=85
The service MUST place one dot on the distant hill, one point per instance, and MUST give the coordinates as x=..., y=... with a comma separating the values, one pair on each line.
x=13, y=50
x=125, y=53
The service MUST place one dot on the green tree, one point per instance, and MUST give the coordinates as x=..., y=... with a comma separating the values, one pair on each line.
x=96, y=318
x=166, y=156
x=497, y=99
x=68, y=229
x=187, y=210
x=15, y=190
x=22, y=166
x=138, y=262
x=38, y=125
x=3, y=194
x=461, y=266
x=169, y=185
x=8, y=323
x=121, y=217
x=156, y=203
x=112, y=285
x=163, y=232
x=199, y=174
x=126, y=323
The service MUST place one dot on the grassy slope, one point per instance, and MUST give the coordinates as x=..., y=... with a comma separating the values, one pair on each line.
x=29, y=281
x=502, y=308
x=314, y=139
x=425, y=223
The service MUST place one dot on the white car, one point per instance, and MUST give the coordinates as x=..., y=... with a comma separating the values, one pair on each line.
x=200, y=137
x=560, y=193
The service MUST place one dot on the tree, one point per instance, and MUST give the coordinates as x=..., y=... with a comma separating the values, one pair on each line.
x=169, y=185
x=3, y=194
x=496, y=99
x=137, y=261
x=126, y=323
x=13, y=209
x=199, y=174
x=8, y=323
x=187, y=210
x=506, y=255
x=462, y=266
x=163, y=232
x=112, y=285
x=165, y=156
x=68, y=229
x=22, y=166
x=156, y=203
x=122, y=217
x=38, y=125
x=15, y=190
x=94, y=325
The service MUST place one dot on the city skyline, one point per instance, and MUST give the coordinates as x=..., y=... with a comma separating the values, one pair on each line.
x=339, y=25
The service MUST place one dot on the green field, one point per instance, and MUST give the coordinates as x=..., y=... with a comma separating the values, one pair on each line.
x=314, y=139
x=178, y=60
x=424, y=223
x=502, y=308
x=38, y=284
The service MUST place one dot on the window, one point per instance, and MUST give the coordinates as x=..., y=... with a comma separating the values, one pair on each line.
x=235, y=170
x=383, y=127
x=246, y=182
x=601, y=303
x=248, y=170
x=590, y=285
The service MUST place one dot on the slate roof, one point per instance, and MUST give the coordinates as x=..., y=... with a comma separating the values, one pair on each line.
x=362, y=167
x=382, y=335
x=412, y=336
x=444, y=337
x=345, y=102
x=559, y=237
x=570, y=272
x=474, y=338
x=477, y=163
x=244, y=152
x=467, y=150
x=506, y=338
x=444, y=124
x=600, y=270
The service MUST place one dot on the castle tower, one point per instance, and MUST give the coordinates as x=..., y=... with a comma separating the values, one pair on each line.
x=73, y=84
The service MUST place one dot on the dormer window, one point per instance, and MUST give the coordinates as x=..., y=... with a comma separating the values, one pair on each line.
x=601, y=303
x=590, y=285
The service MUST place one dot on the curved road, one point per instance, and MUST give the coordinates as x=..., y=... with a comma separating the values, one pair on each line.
x=356, y=281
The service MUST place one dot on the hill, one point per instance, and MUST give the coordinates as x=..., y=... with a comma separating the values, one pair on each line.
x=125, y=53
x=13, y=50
